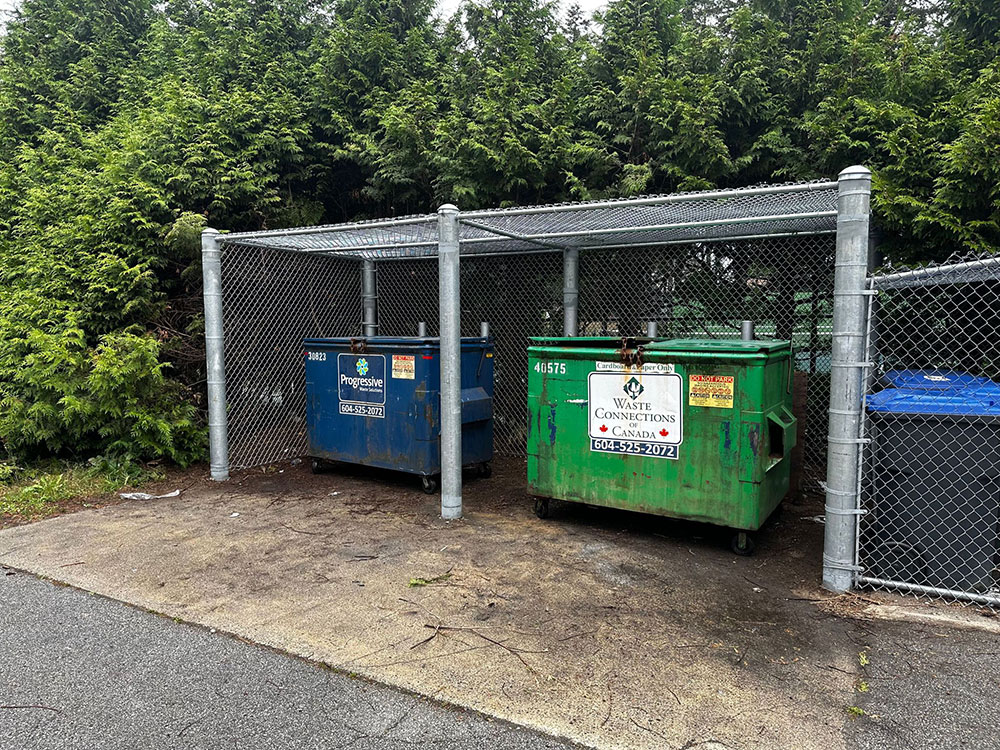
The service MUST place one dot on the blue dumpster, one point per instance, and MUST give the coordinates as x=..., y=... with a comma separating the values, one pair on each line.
x=376, y=401
x=935, y=498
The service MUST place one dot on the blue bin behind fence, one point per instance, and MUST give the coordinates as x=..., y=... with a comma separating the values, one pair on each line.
x=935, y=499
x=934, y=380
x=376, y=401
x=981, y=400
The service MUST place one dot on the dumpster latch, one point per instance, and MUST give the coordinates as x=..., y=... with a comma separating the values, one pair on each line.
x=631, y=352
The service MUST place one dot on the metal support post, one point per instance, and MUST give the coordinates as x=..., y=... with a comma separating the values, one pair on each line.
x=450, y=308
x=369, y=297
x=484, y=330
x=747, y=332
x=651, y=329
x=421, y=330
x=571, y=291
x=215, y=355
x=850, y=305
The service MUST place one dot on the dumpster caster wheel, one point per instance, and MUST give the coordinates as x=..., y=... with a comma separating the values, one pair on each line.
x=542, y=507
x=429, y=485
x=316, y=467
x=742, y=544
x=485, y=470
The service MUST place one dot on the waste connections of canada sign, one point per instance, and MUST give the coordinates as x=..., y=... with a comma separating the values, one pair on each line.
x=635, y=411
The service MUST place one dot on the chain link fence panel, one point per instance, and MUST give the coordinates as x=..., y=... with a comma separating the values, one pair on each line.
x=930, y=479
x=272, y=300
x=518, y=295
x=705, y=290
x=784, y=284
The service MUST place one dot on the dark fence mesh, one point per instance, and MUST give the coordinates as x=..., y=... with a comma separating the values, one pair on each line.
x=273, y=299
x=930, y=491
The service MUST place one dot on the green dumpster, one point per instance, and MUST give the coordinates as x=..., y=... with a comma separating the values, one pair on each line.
x=699, y=429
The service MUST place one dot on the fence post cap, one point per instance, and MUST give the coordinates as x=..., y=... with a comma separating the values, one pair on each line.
x=855, y=172
x=210, y=239
x=448, y=208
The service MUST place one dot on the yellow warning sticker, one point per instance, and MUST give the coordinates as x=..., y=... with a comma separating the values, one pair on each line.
x=402, y=366
x=711, y=390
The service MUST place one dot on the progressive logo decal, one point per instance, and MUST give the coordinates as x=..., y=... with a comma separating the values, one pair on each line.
x=361, y=384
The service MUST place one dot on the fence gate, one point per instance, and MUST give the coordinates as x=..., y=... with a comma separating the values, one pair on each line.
x=930, y=454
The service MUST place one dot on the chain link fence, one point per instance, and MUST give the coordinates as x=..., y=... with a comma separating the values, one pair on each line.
x=930, y=479
x=696, y=265
x=705, y=290
x=518, y=295
x=272, y=300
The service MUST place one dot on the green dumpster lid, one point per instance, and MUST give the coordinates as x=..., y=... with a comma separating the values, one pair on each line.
x=735, y=346
x=594, y=342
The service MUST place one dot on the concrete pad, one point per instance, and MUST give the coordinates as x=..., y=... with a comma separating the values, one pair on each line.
x=944, y=616
x=612, y=629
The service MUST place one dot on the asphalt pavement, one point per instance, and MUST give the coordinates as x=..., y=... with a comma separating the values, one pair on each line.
x=81, y=671
x=926, y=687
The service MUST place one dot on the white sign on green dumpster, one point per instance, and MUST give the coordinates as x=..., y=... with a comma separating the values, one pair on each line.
x=635, y=412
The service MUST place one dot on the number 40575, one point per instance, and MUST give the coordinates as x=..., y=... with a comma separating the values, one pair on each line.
x=551, y=368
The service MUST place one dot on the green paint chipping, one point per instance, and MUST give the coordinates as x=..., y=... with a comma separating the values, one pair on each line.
x=703, y=431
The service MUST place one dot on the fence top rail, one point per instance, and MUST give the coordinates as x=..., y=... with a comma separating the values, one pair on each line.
x=764, y=211
x=964, y=272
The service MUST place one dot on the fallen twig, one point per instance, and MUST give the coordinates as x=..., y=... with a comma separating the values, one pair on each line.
x=608, y=714
x=429, y=638
x=577, y=635
x=510, y=649
x=649, y=729
x=34, y=705
x=300, y=531
x=673, y=694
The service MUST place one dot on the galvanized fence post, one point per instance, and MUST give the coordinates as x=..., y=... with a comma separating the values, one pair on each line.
x=850, y=305
x=369, y=296
x=450, y=310
x=215, y=355
x=571, y=291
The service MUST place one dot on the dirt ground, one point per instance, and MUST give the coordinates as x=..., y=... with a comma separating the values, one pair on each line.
x=613, y=629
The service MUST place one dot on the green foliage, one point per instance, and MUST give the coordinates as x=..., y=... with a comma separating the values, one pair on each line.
x=35, y=492
x=116, y=472
x=126, y=128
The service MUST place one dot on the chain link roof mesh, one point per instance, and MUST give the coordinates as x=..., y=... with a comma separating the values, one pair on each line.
x=768, y=211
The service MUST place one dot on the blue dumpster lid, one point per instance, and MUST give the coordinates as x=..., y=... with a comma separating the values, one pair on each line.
x=975, y=401
x=933, y=380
